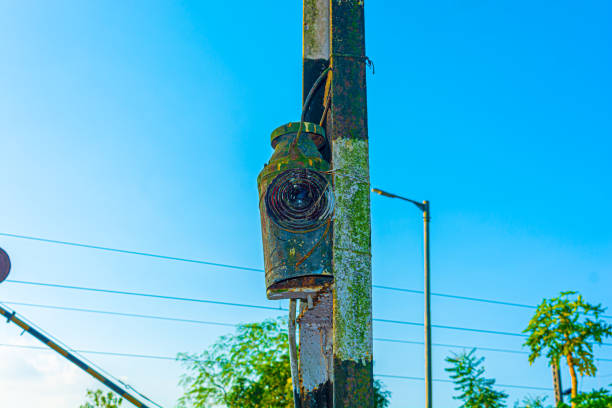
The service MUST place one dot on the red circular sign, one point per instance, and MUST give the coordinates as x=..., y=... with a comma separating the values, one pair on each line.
x=5, y=265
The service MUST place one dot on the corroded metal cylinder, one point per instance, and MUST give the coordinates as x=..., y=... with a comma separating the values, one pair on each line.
x=296, y=204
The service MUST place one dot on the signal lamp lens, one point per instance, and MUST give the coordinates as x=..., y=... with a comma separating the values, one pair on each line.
x=299, y=199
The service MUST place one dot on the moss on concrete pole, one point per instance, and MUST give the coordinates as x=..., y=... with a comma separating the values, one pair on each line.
x=347, y=127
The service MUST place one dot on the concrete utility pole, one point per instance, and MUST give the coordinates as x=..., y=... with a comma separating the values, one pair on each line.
x=315, y=320
x=336, y=327
x=347, y=128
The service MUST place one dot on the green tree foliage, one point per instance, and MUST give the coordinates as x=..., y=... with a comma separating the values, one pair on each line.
x=248, y=369
x=468, y=376
x=567, y=326
x=595, y=399
x=98, y=399
x=532, y=402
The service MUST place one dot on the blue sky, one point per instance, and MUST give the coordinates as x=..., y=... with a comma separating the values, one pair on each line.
x=143, y=125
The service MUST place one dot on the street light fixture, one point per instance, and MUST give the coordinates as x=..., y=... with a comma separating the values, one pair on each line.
x=424, y=207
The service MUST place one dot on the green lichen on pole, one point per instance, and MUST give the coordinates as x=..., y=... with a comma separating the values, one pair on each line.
x=352, y=266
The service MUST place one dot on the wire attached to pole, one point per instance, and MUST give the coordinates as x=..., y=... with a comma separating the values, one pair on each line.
x=307, y=101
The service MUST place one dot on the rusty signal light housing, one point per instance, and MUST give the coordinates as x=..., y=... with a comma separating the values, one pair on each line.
x=296, y=205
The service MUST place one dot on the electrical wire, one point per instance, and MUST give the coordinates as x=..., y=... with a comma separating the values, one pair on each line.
x=437, y=326
x=122, y=314
x=527, y=387
x=452, y=346
x=168, y=358
x=128, y=252
x=104, y=353
x=164, y=297
x=259, y=270
x=80, y=356
x=176, y=298
x=148, y=295
x=182, y=320
x=307, y=101
x=472, y=299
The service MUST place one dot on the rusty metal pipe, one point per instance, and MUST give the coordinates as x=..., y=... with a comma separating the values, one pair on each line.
x=293, y=358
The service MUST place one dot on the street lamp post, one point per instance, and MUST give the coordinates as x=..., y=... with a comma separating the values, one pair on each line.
x=424, y=207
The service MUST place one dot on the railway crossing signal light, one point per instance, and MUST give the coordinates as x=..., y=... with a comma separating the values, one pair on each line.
x=296, y=204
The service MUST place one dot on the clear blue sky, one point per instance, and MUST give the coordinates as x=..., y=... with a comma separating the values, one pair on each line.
x=143, y=125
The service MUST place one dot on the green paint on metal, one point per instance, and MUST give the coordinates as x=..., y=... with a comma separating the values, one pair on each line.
x=293, y=127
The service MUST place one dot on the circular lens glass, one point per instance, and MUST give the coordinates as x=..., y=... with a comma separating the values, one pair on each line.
x=300, y=196
x=299, y=199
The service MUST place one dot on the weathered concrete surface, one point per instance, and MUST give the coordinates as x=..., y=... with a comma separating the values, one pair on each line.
x=316, y=30
x=316, y=352
x=315, y=51
x=352, y=265
x=351, y=252
x=315, y=322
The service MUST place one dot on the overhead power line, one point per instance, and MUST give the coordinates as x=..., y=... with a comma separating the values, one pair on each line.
x=452, y=346
x=402, y=377
x=183, y=320
x=122, y=314
x=499, y=350
x=438, y=326
x=399, y=322
x=148, y=295
x=128, y=252
x=169, y=358
x=164, y=297
x=104, y=353
x=259, y=270
x=446, y=295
